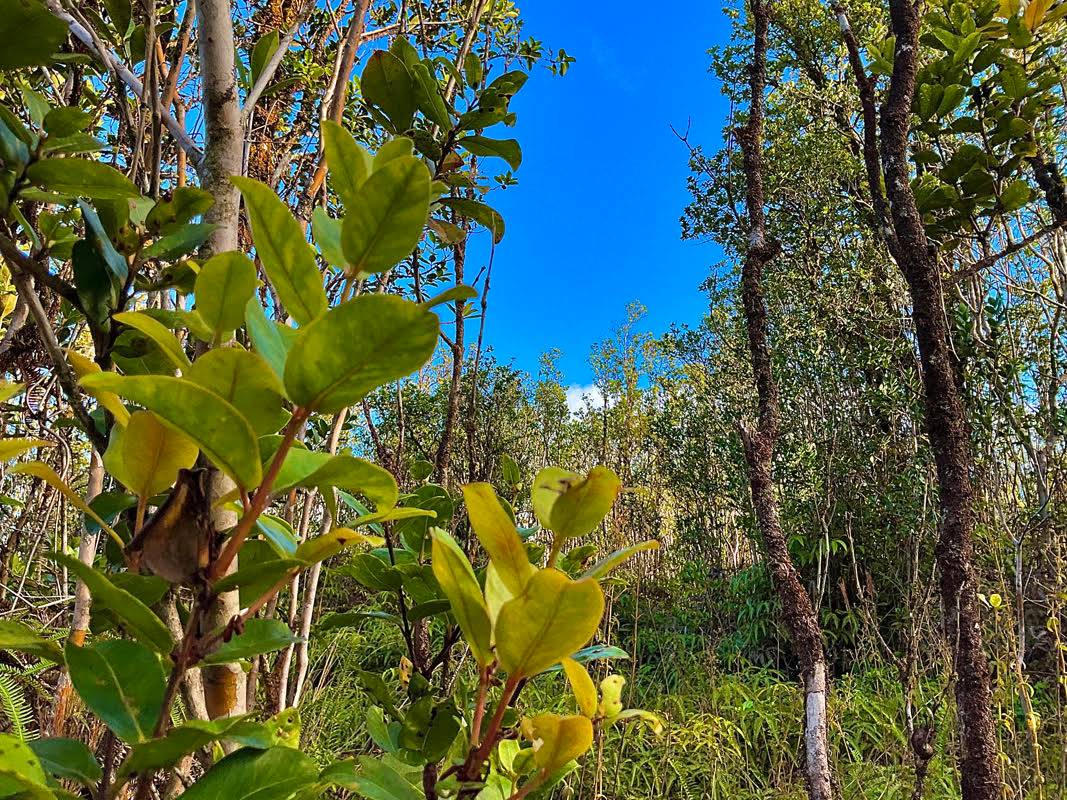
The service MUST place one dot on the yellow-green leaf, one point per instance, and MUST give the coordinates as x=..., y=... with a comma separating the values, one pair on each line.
x=456, y=576
x=244, y=380
x=333, y=542
x=9, y=389
x=349, y=163
x=13, y=448
x=146, y=455
x=83, y=366
x=498, y=535
x=549, y=621
x=582, y=685
x=602, y=568
x=286, y=256
x=37, y=469
x=570, y=505
x=224, y=286
x=557, y=740
x=158, y=333
x=222, y=432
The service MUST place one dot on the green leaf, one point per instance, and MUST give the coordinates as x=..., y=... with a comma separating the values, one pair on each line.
x=315, y=468
x=570, y=505
x=22, y=638
x=262, y=574
x=224, y=435
x=122, y=682
x=378, y=781
x=244, y=380
x=21, y=773
x=388, y=84
x=259, y=636
x=271, y=339
x=30, y=33
x=357, y=347
x=67, y=759
x=327, y=233
x=135, y=616
x=329, y=544
x=262, y=53
x=176, y=244
x=349, y=163
x=105, y=249
x=158, y=333
x=274, y=774
x=479, y=212
x=45, y=473
x=451, y=295
x=385, y=219
x=498, y=535
x=185, y=204
x=286, y=256
x=507, y=149
x=550, y=620
x=224, y=286
x=456, y=576
x=194, y=735
x=146, y=455
x=65, y=120
x=1015, y=195
x=77, y=177
x=428, y=95
x=601, y=568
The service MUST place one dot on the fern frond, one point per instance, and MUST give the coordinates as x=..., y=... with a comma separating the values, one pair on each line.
x=16, y=708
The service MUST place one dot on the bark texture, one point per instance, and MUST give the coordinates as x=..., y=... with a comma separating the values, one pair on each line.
x=797, y=610
x=946, y=423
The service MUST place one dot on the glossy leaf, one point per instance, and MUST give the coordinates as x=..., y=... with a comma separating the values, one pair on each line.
x=385, y=219
x=570, y=505
x=13, y=448
x=122, y=682
x=30, y=33
x=558, y=740
x=603, y=567
x=249, y=774
x=222, y=432
x=388, y=84
x=20, y=638
x=138, y=618
x=549, y=621
x=83, y=366
x=286, y=256
x=349, y=163
x=245, y=381
x=77, y=177
x=146, y=455
x=224, y=286
x=507, y=149
x=498, y=535
x=329, y=544
x=191, y=736
x=259, y=636
x=68, y=759
x=314, y=468
x=158, y=333
x=456, y=576
x=479, y=212
x=385, y=338
x=582, y=685
x=272, y=340
x=21, y=773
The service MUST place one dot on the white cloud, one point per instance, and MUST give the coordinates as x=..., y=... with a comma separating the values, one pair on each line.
x=580, y=398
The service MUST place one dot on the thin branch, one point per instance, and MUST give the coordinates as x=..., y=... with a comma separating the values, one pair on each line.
x=80, y=32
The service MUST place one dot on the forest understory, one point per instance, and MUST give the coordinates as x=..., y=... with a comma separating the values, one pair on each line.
x=281, y=520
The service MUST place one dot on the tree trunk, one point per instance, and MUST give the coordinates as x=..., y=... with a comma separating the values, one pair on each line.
x=946, y=425
x=797, y=610
x=224, y=684
x=79, y=624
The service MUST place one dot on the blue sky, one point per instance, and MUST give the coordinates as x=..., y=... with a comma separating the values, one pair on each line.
x=593, y=223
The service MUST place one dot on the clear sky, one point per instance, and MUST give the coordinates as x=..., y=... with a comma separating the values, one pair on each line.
x=593, y=223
